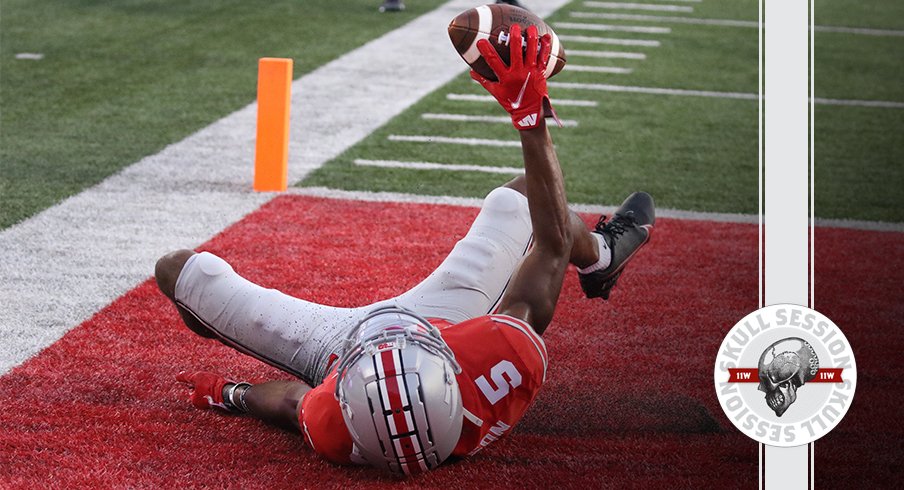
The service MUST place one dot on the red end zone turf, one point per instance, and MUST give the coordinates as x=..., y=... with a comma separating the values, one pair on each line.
x=629, y=400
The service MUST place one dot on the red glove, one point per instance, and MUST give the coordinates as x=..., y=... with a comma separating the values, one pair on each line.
x=521, y=89
x=207, y=389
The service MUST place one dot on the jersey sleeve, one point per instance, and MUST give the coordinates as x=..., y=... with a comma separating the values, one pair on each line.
x=322, y=423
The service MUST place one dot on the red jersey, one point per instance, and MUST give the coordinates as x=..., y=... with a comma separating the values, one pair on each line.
x=503, y=364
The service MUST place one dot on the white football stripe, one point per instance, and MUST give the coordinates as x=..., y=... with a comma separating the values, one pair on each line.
x=439, y=166
x=489, y=98
x=600, y=69
x=613, y=28
x=639, y=6
x=606, y=54
x=454, y=141
x=485, y=23
x=568, y=123
x=555, y=50
x=610, y=40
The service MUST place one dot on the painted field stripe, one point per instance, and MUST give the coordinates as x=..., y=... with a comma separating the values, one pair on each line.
x=439, y=166
x=600, y=69
x=489, y=98
x=658, y=7
x=606, y=54
x=670, y=213
x=612, y=28
x=453, y=141
x=860, y=103
x=884, y=104
x=69, y=261
x=674, y=20
x=860, y=30
x=610, y=40
x=729, y=23
x=568, y=123
x=652, y=90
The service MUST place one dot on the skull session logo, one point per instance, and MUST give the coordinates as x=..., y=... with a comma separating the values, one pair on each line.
x=785, y=375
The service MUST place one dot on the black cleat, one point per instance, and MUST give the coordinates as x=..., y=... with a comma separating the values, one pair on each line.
x=392, y=6
x=627, y=231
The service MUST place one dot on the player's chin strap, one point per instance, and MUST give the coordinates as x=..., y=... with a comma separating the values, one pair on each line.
x=391, y=331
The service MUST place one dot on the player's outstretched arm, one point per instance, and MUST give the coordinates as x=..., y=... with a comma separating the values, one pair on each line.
x=274, y=402
x=521, y=90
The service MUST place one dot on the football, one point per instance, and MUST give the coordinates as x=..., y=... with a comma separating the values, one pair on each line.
x=492, y=22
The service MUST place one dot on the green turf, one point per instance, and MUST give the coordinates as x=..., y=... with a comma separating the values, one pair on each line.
x=121, y=80
x=690, y=152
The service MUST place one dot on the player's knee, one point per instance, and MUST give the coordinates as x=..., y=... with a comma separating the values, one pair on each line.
x=506, y=200
x=168, y=269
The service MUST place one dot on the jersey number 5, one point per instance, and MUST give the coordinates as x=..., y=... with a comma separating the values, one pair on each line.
x=498, y=374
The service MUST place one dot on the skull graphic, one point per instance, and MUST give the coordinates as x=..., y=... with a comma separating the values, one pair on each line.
x=784, y=367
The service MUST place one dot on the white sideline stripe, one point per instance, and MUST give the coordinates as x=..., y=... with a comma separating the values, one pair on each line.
x=489, y=98
x=678, y=214
x=639, y=6
x=599, y=69
x=439, y=166
x=610, y=40
x=64, y=264
x=729, y=23
x=656, y=18
x=613, y=28
x=453, y=141
x=885, y=104
x=568, y=123
x=606, y=54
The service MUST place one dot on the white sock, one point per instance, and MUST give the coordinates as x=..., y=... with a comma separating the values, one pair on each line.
x=605, y=256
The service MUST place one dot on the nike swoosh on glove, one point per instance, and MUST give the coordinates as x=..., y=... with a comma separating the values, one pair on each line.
x=521, y=89
x=207, y=389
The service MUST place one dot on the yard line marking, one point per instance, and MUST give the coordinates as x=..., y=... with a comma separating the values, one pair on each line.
x=860, y=30
x=599, y=69
x=609, y=40
x=568, y=123
x=652, y=90
x=677, y=214
x=639, y=6
x=885, y=104
x=30, y=56
x=606, y=54
x=453, y=141
x=438, y=166
x=728, y=23
x=489, y=98
x=860, y=103
x=613, y=28
x=67, y=262
x=659, y=18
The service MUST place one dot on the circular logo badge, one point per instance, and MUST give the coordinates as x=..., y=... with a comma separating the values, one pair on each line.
x=785, y=375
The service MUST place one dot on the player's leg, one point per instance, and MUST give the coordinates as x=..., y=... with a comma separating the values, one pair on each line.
x=291, y=334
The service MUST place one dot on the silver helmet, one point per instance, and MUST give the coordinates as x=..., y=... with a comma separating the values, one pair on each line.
x=397, y=389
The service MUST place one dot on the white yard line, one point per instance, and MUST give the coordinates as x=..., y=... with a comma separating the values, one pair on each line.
x=406, y=138
x=599, y=69
x=602, y=87
x=611, y=28
x=609, y=40
x=657, y=18
x=658, y=7
x=605, y=54
x=568, y=123
x=489, y=98
x=727, y=23
x=439, y=166
x=667, y=213
x=66, y=263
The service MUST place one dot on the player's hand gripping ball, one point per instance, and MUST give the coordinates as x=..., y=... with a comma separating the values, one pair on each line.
x=494, y=23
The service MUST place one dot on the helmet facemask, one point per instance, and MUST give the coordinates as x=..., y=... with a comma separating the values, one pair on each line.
x=398, y=391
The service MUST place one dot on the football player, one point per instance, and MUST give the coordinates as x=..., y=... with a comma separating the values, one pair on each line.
x=448, y=367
